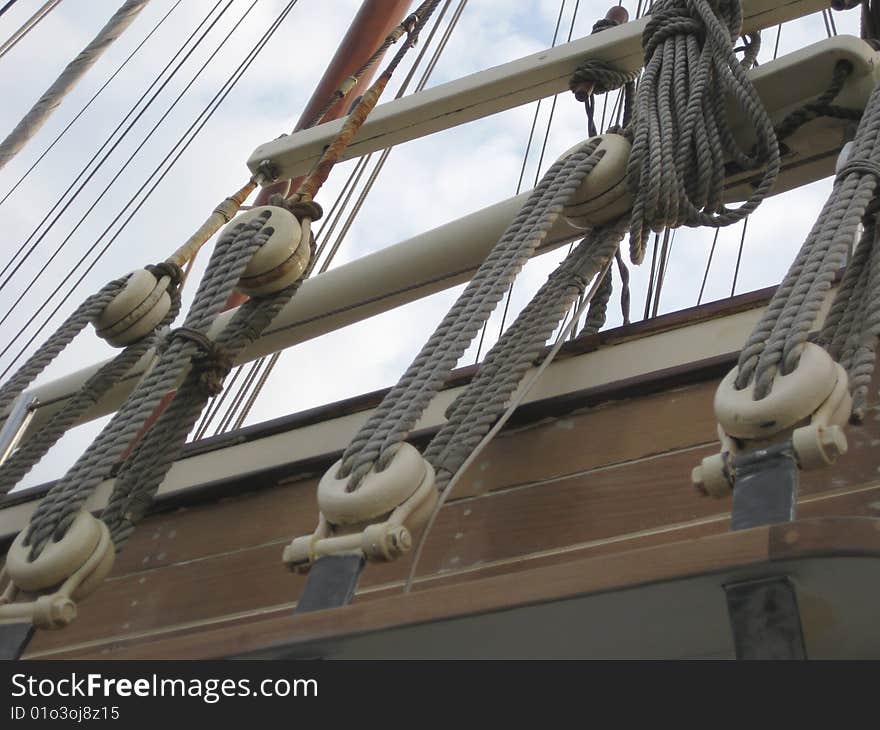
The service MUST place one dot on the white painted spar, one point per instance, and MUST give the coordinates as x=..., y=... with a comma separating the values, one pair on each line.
x=491, y=91
x=448, y=255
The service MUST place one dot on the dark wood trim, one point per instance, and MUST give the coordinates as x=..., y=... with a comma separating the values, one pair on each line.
x=757, y=547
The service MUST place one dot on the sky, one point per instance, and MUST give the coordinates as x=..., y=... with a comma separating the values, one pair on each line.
x=425, y=183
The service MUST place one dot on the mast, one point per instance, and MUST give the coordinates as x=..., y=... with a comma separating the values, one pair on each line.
x=372, y=24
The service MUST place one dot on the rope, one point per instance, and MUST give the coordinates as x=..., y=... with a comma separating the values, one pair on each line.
x=70, y=76
x=28, y=25
x=26, y=456
x=170, y=159
x=398, y=413
x=186, y=354
x=850, y=330
x=600, y=244
x=94, y=96
x=681, y=134
x=473, y=413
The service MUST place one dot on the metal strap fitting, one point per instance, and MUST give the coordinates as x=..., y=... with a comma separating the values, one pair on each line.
x=809, y=407
x=377, y=520
x=44, y=590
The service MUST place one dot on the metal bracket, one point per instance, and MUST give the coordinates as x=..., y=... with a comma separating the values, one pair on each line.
x=765, y=619
x=331, y=583
x=14, y=638
x=20, y=415
x=766, y=485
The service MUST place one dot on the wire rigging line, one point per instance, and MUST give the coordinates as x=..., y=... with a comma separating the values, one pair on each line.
x=173, y=155
x=84, y=172
x=708, y=266
x=50, y=99
x=27, y=26
x=90, y=102
x=8, y=5
x=356, y=176
x=739, y=254
x=519, y=182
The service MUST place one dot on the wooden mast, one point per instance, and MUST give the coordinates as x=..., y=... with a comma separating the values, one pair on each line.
x=372, y=24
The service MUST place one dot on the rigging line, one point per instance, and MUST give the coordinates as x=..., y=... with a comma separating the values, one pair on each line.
x=515, y=402
x=432, y=64
x=509, y=295
x=89, y=102
x=7, y=6
x=776, y=46
x=650, y=293
x=27, y=26
x=115, y=177
x=708, y=266
x=249, y=378
x=344, y=197
x=742, y=241
x=85, y=169
x=216, y=403
x=334, y=216
x=371, y=180
x=42, y=109
x=825, y=20
x=176, y=152
x=82, y=259
x=668, y=240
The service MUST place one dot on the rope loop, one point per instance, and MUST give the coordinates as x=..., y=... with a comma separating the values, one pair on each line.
x=211, y=365
x=166, y=268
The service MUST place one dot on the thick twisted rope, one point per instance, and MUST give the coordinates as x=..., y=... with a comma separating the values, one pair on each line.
x=185, y=356
x=398, y=413
x=26, y=456
x=681, y=135
x=472, y=414
x=777, y=341
x=36, y=117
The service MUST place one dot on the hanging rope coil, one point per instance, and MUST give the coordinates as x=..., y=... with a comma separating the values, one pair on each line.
x=681, y=134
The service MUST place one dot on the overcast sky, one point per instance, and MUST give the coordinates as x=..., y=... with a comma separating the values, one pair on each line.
x=425, y=183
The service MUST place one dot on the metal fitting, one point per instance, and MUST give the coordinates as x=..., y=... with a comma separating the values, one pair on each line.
x=377, y=520
x=65, y=572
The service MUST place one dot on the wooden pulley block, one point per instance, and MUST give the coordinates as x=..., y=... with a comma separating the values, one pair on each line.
x=603, y=196
x=282, y=259
x=86, y=543
x=136, y=311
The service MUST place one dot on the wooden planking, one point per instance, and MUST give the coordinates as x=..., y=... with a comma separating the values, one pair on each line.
x=614, y=432
x=730, y=555
x=611, y=433
x=250, y=580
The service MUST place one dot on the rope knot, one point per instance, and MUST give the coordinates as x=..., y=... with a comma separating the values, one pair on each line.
x=595, y=76
x=300, y=208
x=211, y=364
x=166, y=268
